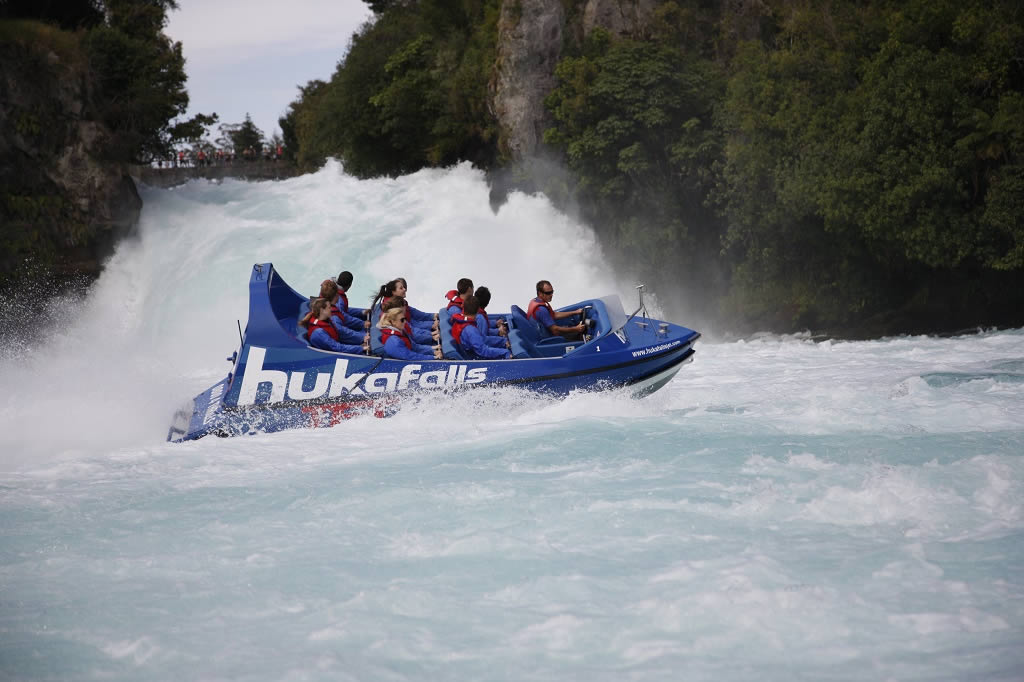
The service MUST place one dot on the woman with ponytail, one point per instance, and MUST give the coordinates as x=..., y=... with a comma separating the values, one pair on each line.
x=395, y=290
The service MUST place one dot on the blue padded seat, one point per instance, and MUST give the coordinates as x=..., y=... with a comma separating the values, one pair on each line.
x=518, y=348
x=528, y=329
x=376, y=347
x=448, y=350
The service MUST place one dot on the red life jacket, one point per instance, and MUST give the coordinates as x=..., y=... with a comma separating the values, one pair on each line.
x=344, y=300
x=531, y=313
x=459, y=322
x=454, y=300
x=316, y=323
x=388, y=332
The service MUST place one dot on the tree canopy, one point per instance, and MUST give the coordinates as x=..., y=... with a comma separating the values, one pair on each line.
x=850, y=166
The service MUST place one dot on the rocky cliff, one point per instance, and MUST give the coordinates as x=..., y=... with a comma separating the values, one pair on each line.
x=531, y=36
x=62, y=204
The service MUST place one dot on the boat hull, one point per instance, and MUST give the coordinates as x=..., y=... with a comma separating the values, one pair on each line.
x=279, y=382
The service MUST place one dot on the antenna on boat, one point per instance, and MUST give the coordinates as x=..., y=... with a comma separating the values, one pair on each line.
x=240, y=339
x=640, y=292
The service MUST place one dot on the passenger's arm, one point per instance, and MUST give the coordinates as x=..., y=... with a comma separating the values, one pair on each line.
x=556, y=329
x=394, y=348
x=346, y=334
x=322, y=340
x=562, y=314
x=421, y=335
x=575, y=329
x=475, y=342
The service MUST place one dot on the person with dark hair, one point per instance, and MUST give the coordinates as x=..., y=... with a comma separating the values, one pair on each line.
x=468, y=339
x=484, y=323
x=397, y=343
x=540, y=310
x=463, y=288
x=344, y=284
x=397, y=288
x=350, y=330
x=321, y=333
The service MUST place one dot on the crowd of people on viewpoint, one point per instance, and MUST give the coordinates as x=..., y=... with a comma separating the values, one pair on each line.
x=410, y=334
x=203, y=158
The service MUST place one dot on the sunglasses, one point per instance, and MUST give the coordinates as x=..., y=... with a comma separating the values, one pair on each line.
x=401, y=319
x=548, y=293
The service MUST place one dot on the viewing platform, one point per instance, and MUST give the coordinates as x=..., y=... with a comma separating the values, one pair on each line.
x=170, y=176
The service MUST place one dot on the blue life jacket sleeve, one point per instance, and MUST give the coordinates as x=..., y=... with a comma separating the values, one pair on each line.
x=491, y=336
x=357, y=312
x=420, y=316
x=394, y=348
x=423, y=336
x=353, y=322
x=472, y=344
x=423, y=348
x=322, y=340
x=345, y=334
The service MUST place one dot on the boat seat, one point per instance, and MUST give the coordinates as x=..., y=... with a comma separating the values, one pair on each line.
x=444, y=325
x=528, y=329
x=518, y=348
x=376, y=347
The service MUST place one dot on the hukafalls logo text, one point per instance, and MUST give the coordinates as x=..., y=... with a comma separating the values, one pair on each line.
x=340, y=382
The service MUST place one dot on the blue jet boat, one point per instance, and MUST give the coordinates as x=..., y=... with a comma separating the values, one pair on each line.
x=278, y=381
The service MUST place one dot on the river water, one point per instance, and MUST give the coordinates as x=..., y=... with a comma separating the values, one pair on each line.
x=785, y=509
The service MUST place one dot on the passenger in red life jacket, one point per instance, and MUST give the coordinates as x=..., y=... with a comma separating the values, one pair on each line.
x=468, y=339
x=320, y=332
x=488, y=327
x=350, y=330
x=455, y=297
x=417, y=334
x=344, y=284
x=540, y=309
x=397, y=289
x=397, y=343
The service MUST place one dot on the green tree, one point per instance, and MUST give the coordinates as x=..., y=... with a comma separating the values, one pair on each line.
x=411, y=92
x=140, y=79
x=246, y=138
x=635, y=119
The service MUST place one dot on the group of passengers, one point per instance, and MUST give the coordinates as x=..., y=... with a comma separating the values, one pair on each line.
x=410, y=334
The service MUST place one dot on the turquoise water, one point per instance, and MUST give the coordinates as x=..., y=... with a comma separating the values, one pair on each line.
x=784, y=509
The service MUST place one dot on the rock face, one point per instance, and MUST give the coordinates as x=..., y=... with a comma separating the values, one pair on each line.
x=531, y=34
x=62, y=205
x=529, y=46
x=621, y=18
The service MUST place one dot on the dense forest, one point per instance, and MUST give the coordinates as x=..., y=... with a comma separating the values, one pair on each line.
x=86, y=87
x=849, y=167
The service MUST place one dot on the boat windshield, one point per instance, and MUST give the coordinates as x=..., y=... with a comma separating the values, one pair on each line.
x=613, y=308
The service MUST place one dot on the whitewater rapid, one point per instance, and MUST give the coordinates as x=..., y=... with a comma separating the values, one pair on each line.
x=784, y=509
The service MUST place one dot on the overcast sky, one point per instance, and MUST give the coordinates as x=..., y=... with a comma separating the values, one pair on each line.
x=251, y=55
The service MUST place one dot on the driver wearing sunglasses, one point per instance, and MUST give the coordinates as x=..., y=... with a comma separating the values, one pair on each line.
x=540, y=309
